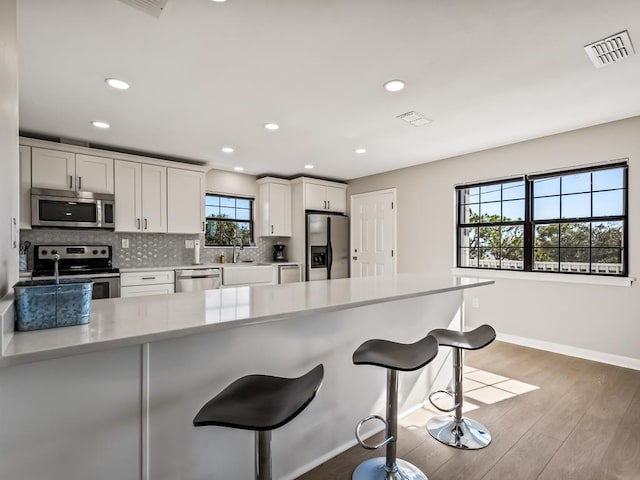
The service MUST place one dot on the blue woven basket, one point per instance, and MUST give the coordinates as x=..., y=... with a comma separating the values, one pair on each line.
x=45, y=304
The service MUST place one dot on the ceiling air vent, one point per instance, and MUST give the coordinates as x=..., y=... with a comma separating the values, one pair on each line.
x=152, y=7
x=610, y=50
x=414, y=118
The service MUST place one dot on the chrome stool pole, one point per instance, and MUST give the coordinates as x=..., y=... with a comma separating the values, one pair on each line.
x=456, y=430
x=263, y=455
x=388, y=354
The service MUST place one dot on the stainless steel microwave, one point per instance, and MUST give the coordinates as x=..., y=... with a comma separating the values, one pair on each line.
x=63, y=208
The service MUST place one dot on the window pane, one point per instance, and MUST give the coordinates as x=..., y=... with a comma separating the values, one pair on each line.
x=576, y=206
x=512, y=258
x=512, y=236
x=608, y=179
x=606, y=261
x=227, y=202
x=513, y=210
x=574, y=260
x=547, y=235
x=468, y=237
x=489, y=258
x=212, y=200
x=490, y=193
x=243, y=214
x=470, y=195
x=546, y=208
x=578, y=183
x=546, y=186
x=606, y=234
x=490, y=212
x=608, y=204
x=468, y=257
x=490, y=237
x=243, y=203
x=574, y=234
x=226, y=212
x=546, y=259
x=513, y=190
x=470, y=213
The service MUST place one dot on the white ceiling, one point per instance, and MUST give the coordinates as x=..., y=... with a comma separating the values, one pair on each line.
x=205, y=75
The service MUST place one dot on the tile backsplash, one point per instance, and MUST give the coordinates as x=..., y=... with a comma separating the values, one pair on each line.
x=146, y=249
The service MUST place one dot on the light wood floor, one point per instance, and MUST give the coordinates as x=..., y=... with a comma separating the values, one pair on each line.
x=581, y=421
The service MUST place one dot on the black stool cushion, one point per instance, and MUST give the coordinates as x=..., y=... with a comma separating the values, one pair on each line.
x=261, y=402
x=471, y=340
x=397, y=356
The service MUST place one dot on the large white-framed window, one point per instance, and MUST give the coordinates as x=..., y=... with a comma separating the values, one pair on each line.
x=569, y=222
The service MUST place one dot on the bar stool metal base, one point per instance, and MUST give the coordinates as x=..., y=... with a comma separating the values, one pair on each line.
x=465, y=434
x=376, y=469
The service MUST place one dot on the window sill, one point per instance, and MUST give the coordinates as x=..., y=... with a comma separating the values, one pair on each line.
x=545, y=277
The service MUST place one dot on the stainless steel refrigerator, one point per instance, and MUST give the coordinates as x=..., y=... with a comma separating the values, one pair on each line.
x=327, y=246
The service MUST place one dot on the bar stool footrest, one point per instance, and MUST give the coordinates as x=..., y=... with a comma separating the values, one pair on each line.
x=362, y=442
x=446, y=392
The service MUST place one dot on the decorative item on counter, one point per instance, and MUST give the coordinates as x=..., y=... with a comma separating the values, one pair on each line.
x=223, y=258
x=22, y=258
x=196, y=252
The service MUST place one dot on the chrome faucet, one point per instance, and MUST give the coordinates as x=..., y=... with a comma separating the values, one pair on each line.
x=236, y=255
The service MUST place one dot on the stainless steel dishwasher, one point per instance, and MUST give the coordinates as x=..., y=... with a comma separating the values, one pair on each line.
x=197, y=279
x=288, y=273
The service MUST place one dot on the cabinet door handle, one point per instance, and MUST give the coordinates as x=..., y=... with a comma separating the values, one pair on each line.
x=138, y=220
x=329, y=203
x=324, y=202
x=70, y=181
x=148, y=278
x=203, y=227
x=145, y=224
x=79, y=183
x=271, y=228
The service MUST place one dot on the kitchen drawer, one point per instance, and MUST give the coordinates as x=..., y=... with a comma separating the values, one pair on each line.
x=147, y=278
x=140, y=290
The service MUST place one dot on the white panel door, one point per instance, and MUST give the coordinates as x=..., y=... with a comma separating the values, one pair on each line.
x=373, y=224
x=53, y=169
x=94, y=174
x=154, y=198
x=185, y=201
x=128, y=193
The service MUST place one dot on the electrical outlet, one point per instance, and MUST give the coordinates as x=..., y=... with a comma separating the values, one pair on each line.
x=125, y=243
x=188, y=244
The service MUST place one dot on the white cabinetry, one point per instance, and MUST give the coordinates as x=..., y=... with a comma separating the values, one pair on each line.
x=70, y=171
x=323, y=196
x=241, y=276
x=141, y=197
x=155, y=282
x=185, y=192
x=25, y=187
x=274, y=207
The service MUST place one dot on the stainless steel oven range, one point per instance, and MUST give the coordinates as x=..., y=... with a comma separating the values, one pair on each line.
x=93, y=262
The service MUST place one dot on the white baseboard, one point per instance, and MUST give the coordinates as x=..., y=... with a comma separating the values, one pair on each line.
x=618, y=360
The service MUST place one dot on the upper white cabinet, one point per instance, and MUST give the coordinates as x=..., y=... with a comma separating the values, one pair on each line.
x=141, y=197
x=320, y=195
x=185, y=192
x=274, y=207
x=70, y=171
x=25, y=187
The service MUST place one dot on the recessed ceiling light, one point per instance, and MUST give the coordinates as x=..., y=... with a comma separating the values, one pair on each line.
x=394, y=85
x=117, y=84
x=271, y=126
x=360, y=151
x=237, y=169
x=99, y=124
x=227, y=149
x=308, y=167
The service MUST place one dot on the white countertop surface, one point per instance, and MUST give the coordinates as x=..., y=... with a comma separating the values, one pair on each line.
x=122, y=322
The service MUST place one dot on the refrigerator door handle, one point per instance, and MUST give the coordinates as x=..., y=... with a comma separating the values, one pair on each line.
x=329, y=249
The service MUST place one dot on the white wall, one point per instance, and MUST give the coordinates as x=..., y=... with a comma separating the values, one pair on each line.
x=231, y=183
x=593, y=317
x=8, y=143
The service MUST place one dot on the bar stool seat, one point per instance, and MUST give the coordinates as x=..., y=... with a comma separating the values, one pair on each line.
x=392, y=356
x=261, y=403
x=456, y=430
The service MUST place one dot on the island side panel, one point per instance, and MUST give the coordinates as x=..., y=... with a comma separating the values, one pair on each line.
x=186, y=372
x=72, y=418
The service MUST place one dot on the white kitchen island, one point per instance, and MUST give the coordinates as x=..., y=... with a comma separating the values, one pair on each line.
x=116, y=398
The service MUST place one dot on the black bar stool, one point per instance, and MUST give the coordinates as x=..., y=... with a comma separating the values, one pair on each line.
x=261, y=403
x=455, y=430
x=392, y=356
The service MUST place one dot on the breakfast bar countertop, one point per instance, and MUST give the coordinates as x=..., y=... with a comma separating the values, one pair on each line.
x=121, y=322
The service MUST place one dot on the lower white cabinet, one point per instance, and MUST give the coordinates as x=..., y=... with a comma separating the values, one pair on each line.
x=153, y=282
x=253, y=275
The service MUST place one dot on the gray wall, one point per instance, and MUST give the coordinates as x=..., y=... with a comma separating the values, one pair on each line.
x=8, y=143
x=593, y=317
